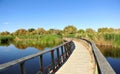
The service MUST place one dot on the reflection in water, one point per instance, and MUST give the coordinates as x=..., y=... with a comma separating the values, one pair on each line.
x=115, y=63
x=23, y=45
x=5, y=44
x=14, y=51
x=113, y=56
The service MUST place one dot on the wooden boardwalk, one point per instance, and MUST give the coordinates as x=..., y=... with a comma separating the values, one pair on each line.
x=81, y=61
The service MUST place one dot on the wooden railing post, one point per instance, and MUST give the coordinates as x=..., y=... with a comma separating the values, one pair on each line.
x=65, y=51
x=72, y=46
x=41, y=64
x=58, y=58
x=53, y=62
x=22, y=68
x=68, y=49
x=62, y=53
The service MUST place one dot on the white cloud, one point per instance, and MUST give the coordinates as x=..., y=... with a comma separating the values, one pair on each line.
x=5, y=23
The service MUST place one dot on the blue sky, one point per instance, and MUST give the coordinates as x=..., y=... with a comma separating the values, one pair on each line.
x=16, y=14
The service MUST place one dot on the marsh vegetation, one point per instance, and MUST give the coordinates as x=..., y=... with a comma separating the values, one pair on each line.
x=40, y=36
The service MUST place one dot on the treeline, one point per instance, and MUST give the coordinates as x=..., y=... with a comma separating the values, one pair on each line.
x=101, y=36
x=67, y=30
x=31, y=31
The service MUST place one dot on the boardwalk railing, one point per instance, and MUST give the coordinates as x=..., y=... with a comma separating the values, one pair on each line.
x=102, y=64
x=66, y=50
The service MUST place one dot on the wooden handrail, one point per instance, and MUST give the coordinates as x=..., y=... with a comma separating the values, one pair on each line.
x=102, y=64
x=39, y=54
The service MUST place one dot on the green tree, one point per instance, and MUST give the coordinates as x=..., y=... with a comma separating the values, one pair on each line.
x=31, y=30
x=70, y=29
x=20, y=32
x=54, y=31
x=5, y=33
x=105, y=30
x=81, y=31
x=89, y=30
x=40, y=31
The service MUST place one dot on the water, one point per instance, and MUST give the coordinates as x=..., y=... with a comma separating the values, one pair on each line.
x=11, y=52
x=113, y=57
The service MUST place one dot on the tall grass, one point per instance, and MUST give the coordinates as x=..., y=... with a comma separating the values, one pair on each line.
x=42, y=41
x=29, y=36
x=50, y=39
x=6, y=39
x=109, y=51
x=114, y=38
x=103, y=38
x=69, y=35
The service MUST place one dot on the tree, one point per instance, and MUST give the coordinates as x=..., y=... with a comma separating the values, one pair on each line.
x=70, y=29
x=81, y=31
x=102, y=30
x=31, y=30
x=40, y=31
x=20, y=32
x=105, y=30
x=89, y=30
x=54, y=31
x=5, y=33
